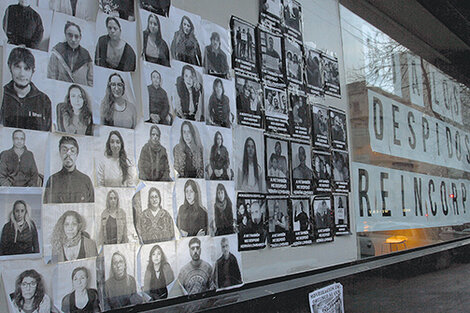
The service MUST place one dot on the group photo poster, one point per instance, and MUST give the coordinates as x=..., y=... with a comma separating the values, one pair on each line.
x=321, y=162
x=331, y=75
x=313, y=69
x=244, y=46
x=323, y=217
x=301, y=221
x=276, y=110
x=277, y=164
x=251, y=221
x=249, y=100
x=293, y=19
x=279, y=223
x=294, y=62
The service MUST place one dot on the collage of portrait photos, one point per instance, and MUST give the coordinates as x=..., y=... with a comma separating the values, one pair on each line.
x=142, y=149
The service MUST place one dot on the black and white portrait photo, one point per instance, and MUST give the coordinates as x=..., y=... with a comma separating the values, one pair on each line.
x=218, y=154
x=188, y=96
x=114, y=216
x=243, y=45
x=186, y=34
x=279, y=224
x=157, y=98
x=293, y=57
x=25, y=24
x=75, y=287
x=277, y=165
x=70, y=234
x=293, y=18
x=331, y=75
x=341, y=205
x=251, y=221
x=299, y=115
x=28, y=285
x=154, y=212
x=321, y=131
x=114, y=96
x=321, y=162
x=187, y=153
x=158, y=269
x=219, y=96
x=114, y=158
x=21, y=161
x=217, y=50
x=155, y=47
x=301, y=221
x=276, y=110
x=323, y=216
x=228, y=266
x=116, y=46
x=314, y=69
x=24, y=104
x=249, y=159
x=73, y=112
x=340, y=168
x=21, y=225
x=120, y=286
x=123, y=9
x=83, y=9
x=270, y=48
x=191, y=203
x=160, y=7
x=71, y=181
x=153, y=149
x=195, y=272
x=301, y=167
x=71, y=46
x=249, y=98
x=338, y=129
x=222, y=209
x=271, y=7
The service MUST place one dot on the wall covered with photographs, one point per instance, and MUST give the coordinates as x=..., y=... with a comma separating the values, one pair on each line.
x=152, y=150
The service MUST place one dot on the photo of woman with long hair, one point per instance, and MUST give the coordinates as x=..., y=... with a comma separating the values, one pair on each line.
x=69, y=239
x=115, y=169
x=74, y=114
x=219, y=166
x=223, y=214
x=20, y=234
x=155, y=48
x=158, y=274
x=189, y=101
x=219, y=105
x=116, y=110
x=112, y=51
x=250, y=175
x=192, y=216
x=30, y=295
x=113, y=228
x=188, y=154
x=185, y=46
x=82, y=299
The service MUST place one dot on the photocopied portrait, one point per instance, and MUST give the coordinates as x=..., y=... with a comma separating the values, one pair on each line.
x=293, y=58
x=219, y=96
x=28, y=285
x=314, y=68
x=228, y=265
x=71, y=47
x=278, y=221
x=114, y=216
x=114, y=99
x=157, y=92
x=155, y=45
x=222, y=207
x=323, y=216
x=83, y=9
x=188, y=92
x=341, y=205
x=338, y=129
x=70, y=234
x=153, y=211
x=25, y=24
x=75, y=287
x=116, y=44
x=191, y=207
x=321, y=131
x=252, y=221
x=123, y=9
x=217, y=50
x=120, y=286
x=114, y=158
x=301, y=214
x=243, y=45
x=272, y=7
x=293, y=16
x=218, y=154
x=249, y=101
x=271, y=53
x=21, y=225
x=160, y=7
x=22, y=161
x=277, y=157
x=249, y=159
x=25, y=104
x=70, y=179
x=158, y=269
x=195, y=270
x=301, y=161
x=153, y=150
